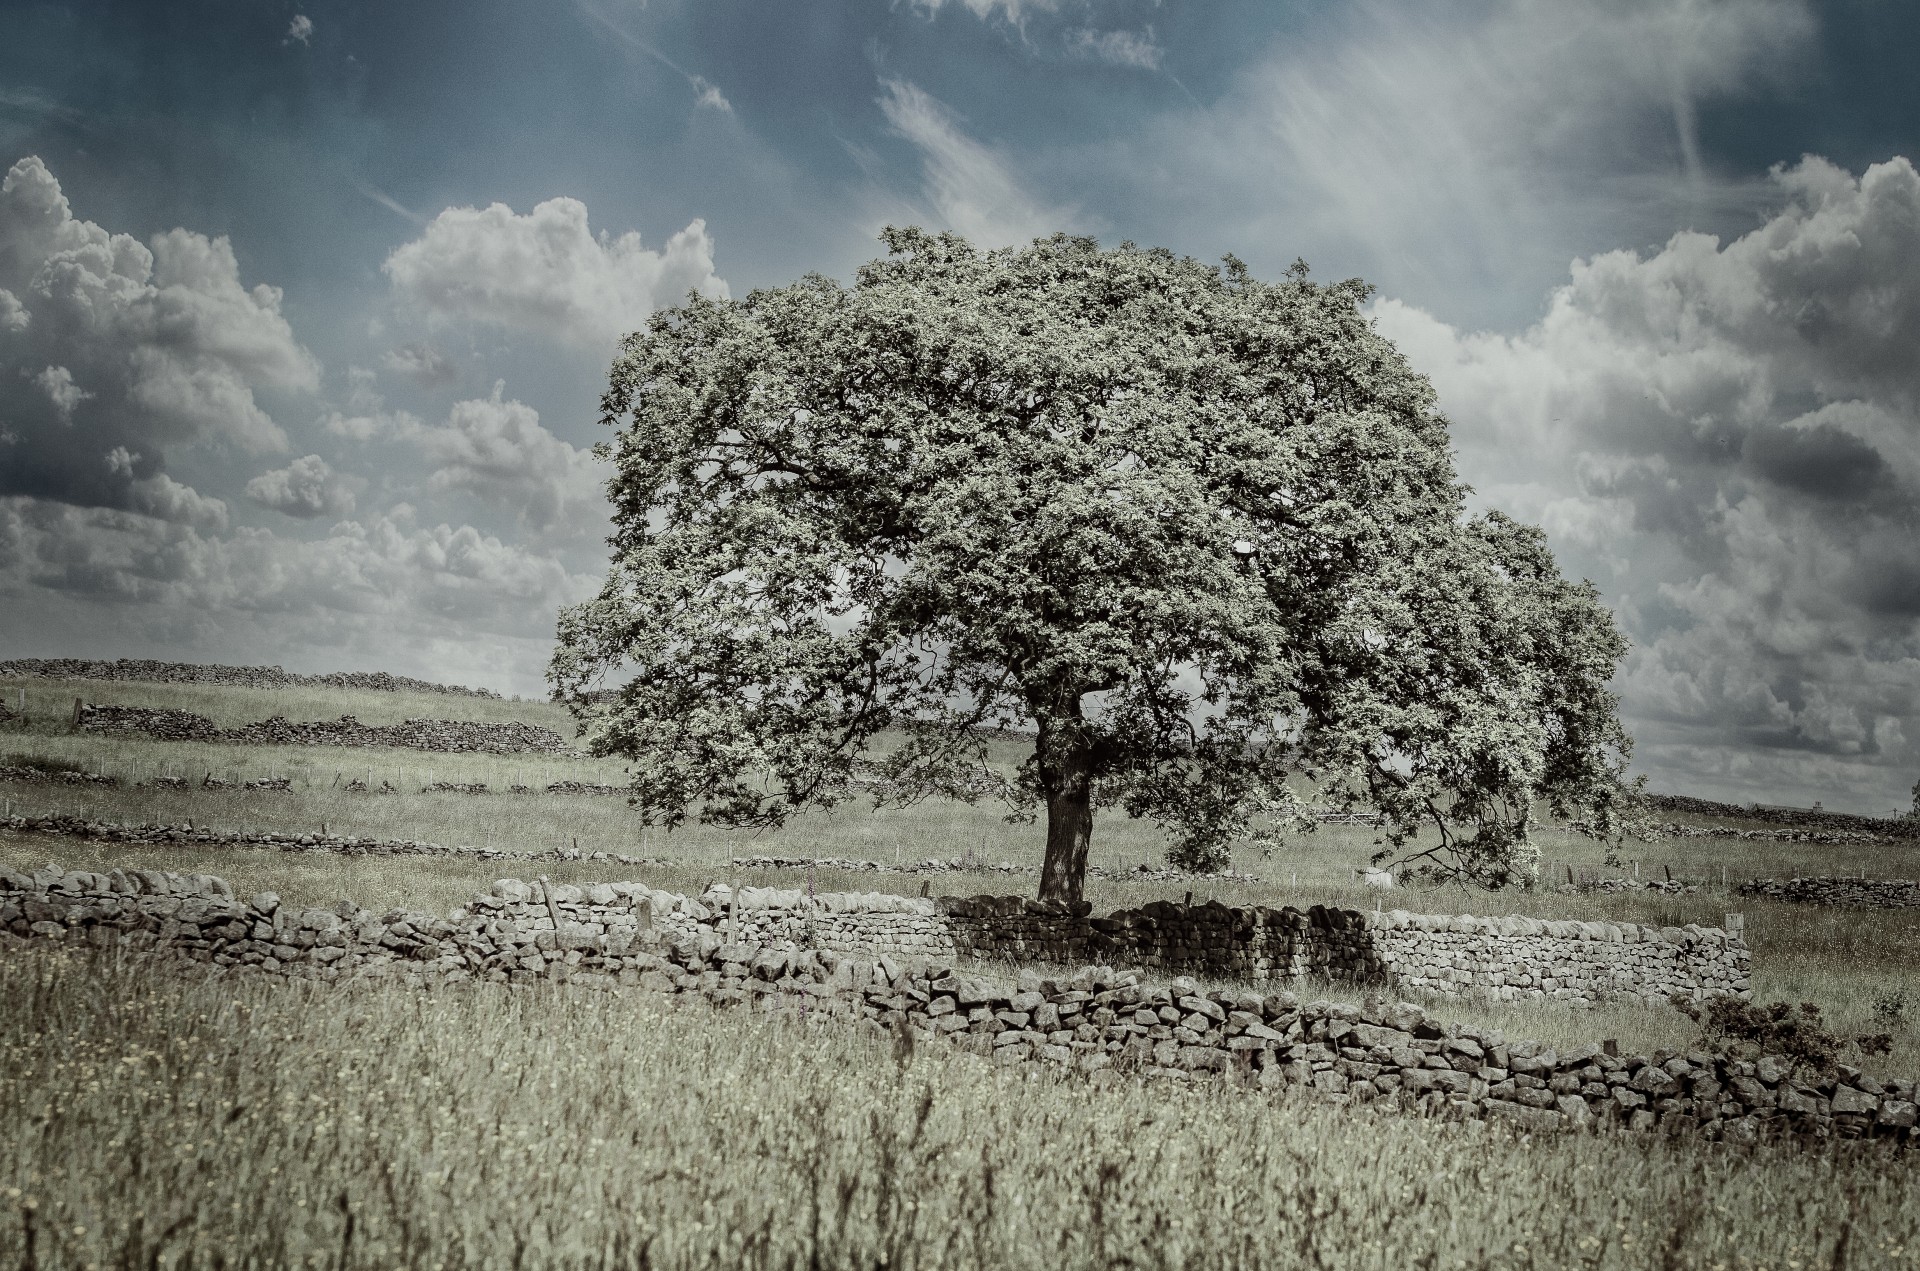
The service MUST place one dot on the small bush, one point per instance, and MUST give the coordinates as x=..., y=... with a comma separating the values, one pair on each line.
x=40, y=763
x=1746, y=1029
x=1890, y=1007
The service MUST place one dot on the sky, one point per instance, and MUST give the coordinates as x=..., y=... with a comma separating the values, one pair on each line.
x=306, y=305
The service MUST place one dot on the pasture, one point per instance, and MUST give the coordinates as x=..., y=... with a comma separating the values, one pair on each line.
x=259, y=1122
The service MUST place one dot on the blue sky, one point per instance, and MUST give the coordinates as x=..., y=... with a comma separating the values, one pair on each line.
x=1659, y=258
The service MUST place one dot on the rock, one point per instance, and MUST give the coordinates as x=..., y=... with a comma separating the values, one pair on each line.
x=1847, y=1100
x=1896, y=1114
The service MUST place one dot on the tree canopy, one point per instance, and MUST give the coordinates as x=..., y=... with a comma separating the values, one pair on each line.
x=1198, y=533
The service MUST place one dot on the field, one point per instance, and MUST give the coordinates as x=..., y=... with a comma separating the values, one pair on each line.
x=273, y=1125
x=582, y=1130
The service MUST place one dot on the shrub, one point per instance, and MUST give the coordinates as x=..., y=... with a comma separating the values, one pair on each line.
x=1746, y=1029
x=40, y=763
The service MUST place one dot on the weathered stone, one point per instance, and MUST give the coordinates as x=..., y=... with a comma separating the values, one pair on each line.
x=1847, y=1100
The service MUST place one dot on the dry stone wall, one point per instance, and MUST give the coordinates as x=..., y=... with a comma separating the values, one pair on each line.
x=1451, y=954
x=447, y=735
x=151, y=672
x=1801, y=818
x=1097, y=1021
x=1872, y=893
x=1581, y=963
x=187, y=834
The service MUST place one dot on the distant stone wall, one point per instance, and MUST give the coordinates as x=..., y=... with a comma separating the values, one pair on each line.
x=1803, y=818
x=1097, y=1021
x=1870, y=893
x=146, y=671
x=453, y=736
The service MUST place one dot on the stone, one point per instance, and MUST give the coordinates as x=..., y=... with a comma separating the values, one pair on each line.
x=1896, y=1114
x=1574, y=1109
x=1654, y=1082
x=1847, y=1100
x=1201, y=1006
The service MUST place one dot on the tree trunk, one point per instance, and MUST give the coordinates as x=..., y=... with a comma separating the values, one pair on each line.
x=1065, y=753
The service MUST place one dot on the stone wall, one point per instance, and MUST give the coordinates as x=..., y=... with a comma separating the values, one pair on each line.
x=1872, y=893
x=1096, y=1021
x=1504, y=958
x=447, y=735
x=1803, y=818
x=147, y=671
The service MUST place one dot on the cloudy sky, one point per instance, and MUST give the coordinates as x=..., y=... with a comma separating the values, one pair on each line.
x=305, y=304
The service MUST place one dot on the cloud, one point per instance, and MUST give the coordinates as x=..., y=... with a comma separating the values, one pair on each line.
x=301, y=29
x=706, y=93
x=709, y=95
x=158, y=495
x=112, y=344
x=57, y=383
x=305, y=488
x=498, y=449
x=421, y=363
x=1728, y=437
x=546, y=272
x=1011, y=11
x=1446, y=152
x=1139, y=50
x=445, y=600
x=972, y=189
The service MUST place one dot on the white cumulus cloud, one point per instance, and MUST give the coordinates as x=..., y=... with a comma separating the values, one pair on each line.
x=498, y=449
x=305, y=488
x=115, y=343
x=547, y=272
x=159, y=496
x=57, y=383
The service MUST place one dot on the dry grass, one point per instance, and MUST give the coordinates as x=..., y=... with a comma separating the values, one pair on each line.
x=171, y=1120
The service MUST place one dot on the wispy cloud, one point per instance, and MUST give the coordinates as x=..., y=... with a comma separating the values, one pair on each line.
x=1012, y=11
x=1138, y=49
x=1455, y=154
x=389, y=202
x=972, y=188
x=706, y=93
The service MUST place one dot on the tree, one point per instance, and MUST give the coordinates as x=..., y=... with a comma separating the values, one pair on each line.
x=1198, y=532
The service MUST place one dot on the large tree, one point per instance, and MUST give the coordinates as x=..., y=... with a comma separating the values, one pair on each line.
x=1197, y=532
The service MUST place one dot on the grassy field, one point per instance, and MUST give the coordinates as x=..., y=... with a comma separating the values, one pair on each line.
x=172, y=1120
x=1857, y=965
x=220, y=1123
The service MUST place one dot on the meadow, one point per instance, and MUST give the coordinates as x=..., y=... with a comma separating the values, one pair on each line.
x=585, y=1130
x=172, y=1120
